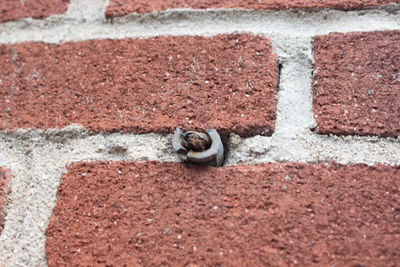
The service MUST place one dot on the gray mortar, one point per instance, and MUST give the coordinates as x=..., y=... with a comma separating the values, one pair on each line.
x=39, y=158
x=12, y=157
x=314, y=148
x=85, y=20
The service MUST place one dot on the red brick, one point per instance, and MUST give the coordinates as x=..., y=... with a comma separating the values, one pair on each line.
x=123, y=7
x=153, y=214
x=357, y=83
x=227, y=82
x=5, y=189
x=17, y=9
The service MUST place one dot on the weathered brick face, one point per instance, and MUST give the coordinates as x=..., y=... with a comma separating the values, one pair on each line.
x=15, y=10
x=166, y=213
x=123, y=7
x=356, y=87
x=5, y=189
x=102, y=208
x=227, y=82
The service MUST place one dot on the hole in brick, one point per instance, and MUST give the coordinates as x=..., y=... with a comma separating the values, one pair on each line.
x=225, y=143
x=279, y=75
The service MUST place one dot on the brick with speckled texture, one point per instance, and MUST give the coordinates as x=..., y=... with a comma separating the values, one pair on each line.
x=11, y=10
x=227, y=82
x=356, y=89
x=157, y=214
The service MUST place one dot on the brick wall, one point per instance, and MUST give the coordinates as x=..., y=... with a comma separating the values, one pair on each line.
x=306, y=97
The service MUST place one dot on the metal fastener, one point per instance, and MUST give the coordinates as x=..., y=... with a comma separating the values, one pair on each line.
x=204, y=148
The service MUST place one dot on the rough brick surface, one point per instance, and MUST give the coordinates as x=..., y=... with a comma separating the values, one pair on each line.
x=5, y=189
x=357, y=83
x=158, y=214
x=227, y=82
x=123, y=7
x=15, y=10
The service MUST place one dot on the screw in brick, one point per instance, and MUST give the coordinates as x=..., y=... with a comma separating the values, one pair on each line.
x=195, y=147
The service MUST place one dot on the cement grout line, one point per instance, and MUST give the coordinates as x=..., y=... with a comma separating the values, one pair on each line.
x=294, y=108
x=85, y=20
x=84, y=11
x=296, y=145
x=12, y=157
x=315, y=148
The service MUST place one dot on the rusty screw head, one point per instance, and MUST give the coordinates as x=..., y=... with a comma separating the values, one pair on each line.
x=196, y=147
